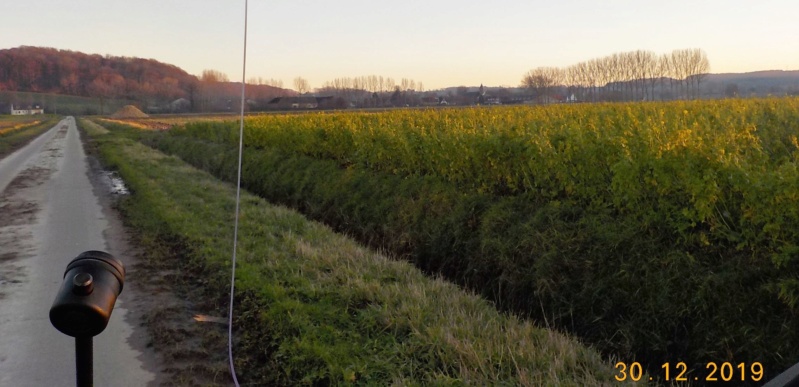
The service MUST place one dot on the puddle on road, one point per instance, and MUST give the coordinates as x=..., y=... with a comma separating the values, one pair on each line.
x=116, y=185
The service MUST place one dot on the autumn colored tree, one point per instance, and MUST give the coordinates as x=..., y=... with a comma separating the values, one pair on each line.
x=146, y=81
x=50, y=70
x=213, y=76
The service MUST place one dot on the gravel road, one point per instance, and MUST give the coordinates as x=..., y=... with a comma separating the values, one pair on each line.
x=50, y=211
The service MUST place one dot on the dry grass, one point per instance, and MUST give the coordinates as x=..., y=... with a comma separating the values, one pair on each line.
x=17, y=131
x=9, y=125
x=481, y=344
x=136, y=123
x=91, y=128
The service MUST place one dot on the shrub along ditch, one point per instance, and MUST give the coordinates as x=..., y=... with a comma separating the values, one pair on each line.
x=628, y=288
x=315, y=308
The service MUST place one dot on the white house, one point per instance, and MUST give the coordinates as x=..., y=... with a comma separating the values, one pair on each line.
x=35, y=109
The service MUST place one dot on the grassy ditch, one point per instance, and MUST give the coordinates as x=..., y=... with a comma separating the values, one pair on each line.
x=314, y=307
x=11, y=140
x=626, y=287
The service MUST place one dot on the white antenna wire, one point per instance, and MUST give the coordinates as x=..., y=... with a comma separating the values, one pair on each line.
x=238, y=200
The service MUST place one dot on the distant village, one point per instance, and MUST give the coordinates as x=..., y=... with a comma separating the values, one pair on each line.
x=461, y=96
x=726, y=86
x=716, y=86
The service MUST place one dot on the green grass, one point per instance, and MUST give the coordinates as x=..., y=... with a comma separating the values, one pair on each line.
x=92, y=129
x=314, y=307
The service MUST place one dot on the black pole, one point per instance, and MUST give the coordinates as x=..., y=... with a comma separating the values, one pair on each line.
x=84, y=361
x=84, y=303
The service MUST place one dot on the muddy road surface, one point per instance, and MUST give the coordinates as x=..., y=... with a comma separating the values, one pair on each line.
x=50, y=211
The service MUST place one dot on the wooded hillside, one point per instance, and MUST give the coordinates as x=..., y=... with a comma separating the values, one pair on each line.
x=154, y=85
x=49, y=70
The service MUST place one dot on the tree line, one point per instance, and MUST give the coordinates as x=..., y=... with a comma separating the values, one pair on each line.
x=371, y=84
x=366, y=91
x=635, y=75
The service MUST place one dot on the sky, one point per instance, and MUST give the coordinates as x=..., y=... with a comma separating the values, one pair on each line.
x=440, y=43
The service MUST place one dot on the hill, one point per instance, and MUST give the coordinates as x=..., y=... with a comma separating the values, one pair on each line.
x=154, y=86
x=757, y=83
x=767, y=74
x=48, y=70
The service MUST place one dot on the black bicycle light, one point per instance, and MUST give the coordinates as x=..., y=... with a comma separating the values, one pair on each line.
x=92, y=283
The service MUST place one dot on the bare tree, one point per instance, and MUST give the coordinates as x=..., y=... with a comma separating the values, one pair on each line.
x=301, y=85
x=624, y=76
x=619, y=69
x=213, y=76
x=604, y=76
x=274, y=82
x=698, y=66
x=668, y=71
x=359, y=83
x=583, y=73
x=542, y=81
x=681, y=67
x=373, y=84
x=405, y=84
x=644, y=64
x=655, y=73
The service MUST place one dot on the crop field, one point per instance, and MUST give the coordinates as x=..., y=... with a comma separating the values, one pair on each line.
x=12, y=123
x=312, y=306
x=16, y=131
x=712, y=164
x=661, y=232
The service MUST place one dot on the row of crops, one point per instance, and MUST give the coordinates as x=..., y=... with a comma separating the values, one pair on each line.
x=727, y=167
x=657, y=231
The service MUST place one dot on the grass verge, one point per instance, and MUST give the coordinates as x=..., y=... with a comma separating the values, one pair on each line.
x=313, y=307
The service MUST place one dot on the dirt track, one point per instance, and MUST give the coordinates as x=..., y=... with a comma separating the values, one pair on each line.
x=49, y=213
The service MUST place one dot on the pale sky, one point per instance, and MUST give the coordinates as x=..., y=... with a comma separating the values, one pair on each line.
x=438, y=42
